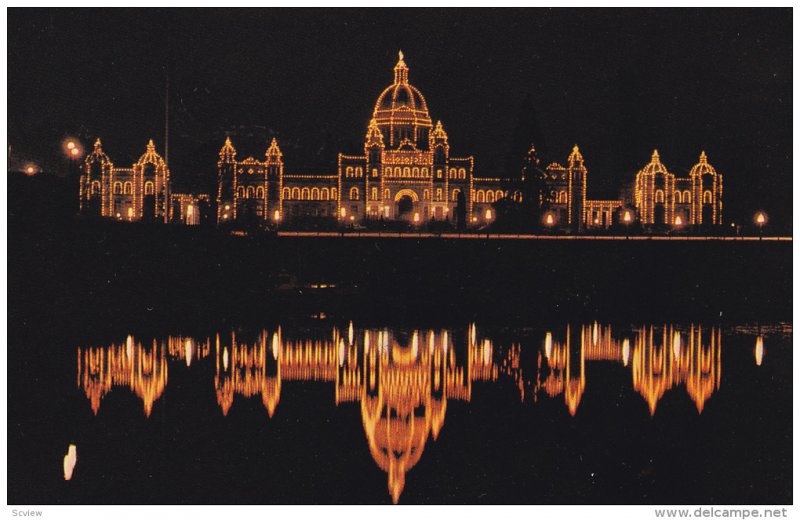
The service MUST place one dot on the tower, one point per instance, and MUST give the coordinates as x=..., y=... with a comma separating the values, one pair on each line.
x=226, y=183
x=274, y=183
x=577, y=190
x=373, y=182
x=706, y=196
x=95, y=182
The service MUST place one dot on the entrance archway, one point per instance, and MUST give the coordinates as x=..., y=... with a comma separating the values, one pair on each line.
x=405, y=201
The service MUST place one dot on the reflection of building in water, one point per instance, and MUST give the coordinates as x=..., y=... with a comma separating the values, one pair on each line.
x=660, y=359
x=402, y=381
x=131, y=365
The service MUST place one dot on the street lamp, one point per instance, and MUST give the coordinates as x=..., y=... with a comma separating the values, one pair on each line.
x=761, y=221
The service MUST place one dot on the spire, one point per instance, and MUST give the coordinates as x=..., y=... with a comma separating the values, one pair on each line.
x=151, y=147
x=98, y=146
x=400, y=71
x=274, y=152
x=655, y=158
x=438, y=132
x=575, y=158
x=374, y=135
x=227, y=152
x=703, y=158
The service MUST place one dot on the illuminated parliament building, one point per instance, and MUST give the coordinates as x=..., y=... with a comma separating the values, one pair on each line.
x=405, y=173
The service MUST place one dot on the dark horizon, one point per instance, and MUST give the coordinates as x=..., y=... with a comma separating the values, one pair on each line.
x=618, y=82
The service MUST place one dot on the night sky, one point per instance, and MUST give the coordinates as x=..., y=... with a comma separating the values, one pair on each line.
x=616, y=82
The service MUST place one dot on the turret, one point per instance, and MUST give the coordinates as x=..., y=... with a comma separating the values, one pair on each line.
x=274, y=182
x=577, y=200
x=226, y=182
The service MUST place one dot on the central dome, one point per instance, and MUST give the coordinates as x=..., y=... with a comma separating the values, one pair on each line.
x=401, y=112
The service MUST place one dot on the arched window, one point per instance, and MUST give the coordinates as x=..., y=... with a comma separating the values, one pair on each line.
x=426, y=194
x=707, y=197
x=250, y=192
x=95, y=187
x=455, y=194
x=659, y=197
x=687, y=197
x=407, y=171
x=374, y=172
x=415, y=172
x=148, y=188
x=128, y=188
x=562, y=197
x=314, y=193
x=438, y=194
x=439, y=173
x=354, y=193
x=374, y=193
x=480, y=197
x=287, y=193
x=462, y=173
x=117, y=188
x=359, y=171
x=678, y=197
x=500, y=195
x=388, y=171
x=296, y=193
x=452, y=173
x=490, y=196
x=387, y=194
x=349, y=171
x=424, y=172
x=260, y=192
x=333, y=194
x=325, y=194
x=304, y=194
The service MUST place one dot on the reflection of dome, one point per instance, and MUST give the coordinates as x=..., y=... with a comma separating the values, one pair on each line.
x=401, y=111
x=703, y=168
x=655, y=166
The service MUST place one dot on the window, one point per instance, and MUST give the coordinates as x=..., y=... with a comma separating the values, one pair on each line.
x=407, y=171
x=304, y=194
x=349, y=171
x=490, y=196
x=325, y=194
x=438, y=194
x=707, y=197
x=452, y=173
x=354, y=193
x=374, y=193
x=481, y=197
x=439, y=173
x=359, y=172
x=148, y=188
x=424, y=172
x=562, y=197
x=388, y=172
x=659, y=196
x=287, y=193
x=333, y=193
x=499, y=195
x=462, y=174
x=95, y=187
x=260, y=192
x=374, y=172
x=455, y=194
x=128, y=188
x=387, y=194
x=296, y=193
x=415, y=172
x=678, y=197
x=117, y=188
x=250, y=192
x=426, y=194
x=687, y=196
x=314, y=193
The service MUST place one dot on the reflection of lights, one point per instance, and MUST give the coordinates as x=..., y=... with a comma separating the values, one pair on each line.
x=350, y=333
x=759, y=350
x=225, y=358
x=275, y=345
x=548, y=345
x=626, y=351
x=70, y=459
x=341, y=352
x=188, y=352
x=676, y=344
x=595, y=333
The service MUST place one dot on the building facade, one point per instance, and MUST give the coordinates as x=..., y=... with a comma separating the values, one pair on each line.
x=406, y=172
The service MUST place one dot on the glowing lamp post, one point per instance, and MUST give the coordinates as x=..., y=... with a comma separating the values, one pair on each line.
x=489, y=215
x=30, y=170
x=276, y=216
x=761, y=221
x=549, y=221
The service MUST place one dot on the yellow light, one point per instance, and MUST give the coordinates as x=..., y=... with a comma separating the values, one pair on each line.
x=488, y=214
x=74, y=151
x=70, y=459
x=627, y=217
x=761, y=218
x=549, y=220
x=678, y=221
x=759, y=350
x=189, y=210
x=277, y=215
x=227, y=207
x=70, y=145
x=30, y=169
x=416, y=217
x=343, y=212
x=130, y=213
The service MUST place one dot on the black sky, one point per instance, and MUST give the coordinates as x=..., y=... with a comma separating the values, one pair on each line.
x=617, y=82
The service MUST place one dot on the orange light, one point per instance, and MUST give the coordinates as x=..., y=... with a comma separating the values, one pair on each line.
x=549, y=220
x=488, y=214
x=759, y=350
x=74, y=151
x=70, y=145
x=416, y=217
x=277, y=215
x=678, y=221
x=70, y=459
x=761, y=218
x=626, y=217
x=30, y=169
x=343, y=212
